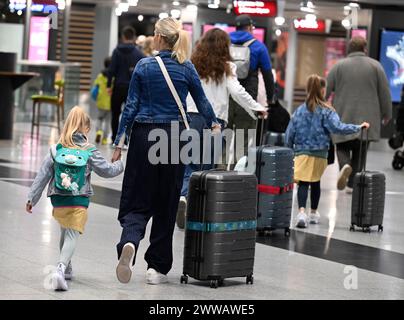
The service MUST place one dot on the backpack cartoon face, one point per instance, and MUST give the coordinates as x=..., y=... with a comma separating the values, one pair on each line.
x=72, y=157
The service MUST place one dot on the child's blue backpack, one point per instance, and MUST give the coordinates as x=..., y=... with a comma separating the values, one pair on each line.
x=94, y=92
x=70, y=168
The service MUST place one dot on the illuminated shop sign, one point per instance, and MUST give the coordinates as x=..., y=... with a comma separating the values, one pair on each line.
x=256, y=8
x=310, y=25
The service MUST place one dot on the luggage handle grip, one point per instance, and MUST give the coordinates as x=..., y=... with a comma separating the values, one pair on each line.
x=363, y=165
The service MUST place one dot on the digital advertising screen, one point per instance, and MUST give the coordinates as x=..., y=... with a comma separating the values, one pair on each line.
x=392, y=58
x=38, y=39
x=259, y=33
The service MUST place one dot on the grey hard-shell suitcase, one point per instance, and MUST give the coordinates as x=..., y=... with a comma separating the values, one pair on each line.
x=275, y=171
x=274, y=139
x=220, y=227
x=368, y=198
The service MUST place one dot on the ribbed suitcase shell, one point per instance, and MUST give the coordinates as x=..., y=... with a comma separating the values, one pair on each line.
x=274, y=167
x=368, y=199
x=226, y=196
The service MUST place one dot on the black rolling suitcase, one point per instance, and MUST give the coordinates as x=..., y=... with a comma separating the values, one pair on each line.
x=220, y=228
x=368, y=198
x=275, y=171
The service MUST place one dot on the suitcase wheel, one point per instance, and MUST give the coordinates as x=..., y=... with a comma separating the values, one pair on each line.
x=214, y=284
x=352, y=228
x=184, y=279
x=287, y=232
x=249, y=279
x=380, y=229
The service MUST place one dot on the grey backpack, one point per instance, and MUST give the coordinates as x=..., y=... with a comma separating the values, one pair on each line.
x=241, y=57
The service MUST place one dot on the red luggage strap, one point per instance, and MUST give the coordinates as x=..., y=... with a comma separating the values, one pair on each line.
x=275, y=190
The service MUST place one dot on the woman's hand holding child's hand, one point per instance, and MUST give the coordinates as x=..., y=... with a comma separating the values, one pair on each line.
x=116, y=155
x=365, y=125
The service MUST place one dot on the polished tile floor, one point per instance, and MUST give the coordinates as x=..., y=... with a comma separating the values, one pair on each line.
x=316, y=263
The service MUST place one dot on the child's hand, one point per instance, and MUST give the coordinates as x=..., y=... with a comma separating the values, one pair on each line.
x=28, y=207
x=365, y=125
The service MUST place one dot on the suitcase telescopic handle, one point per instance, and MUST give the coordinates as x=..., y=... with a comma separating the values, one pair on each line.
x=363, y=166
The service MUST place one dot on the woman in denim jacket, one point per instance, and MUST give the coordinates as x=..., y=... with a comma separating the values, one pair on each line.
x=150, y=189
x=308, y=134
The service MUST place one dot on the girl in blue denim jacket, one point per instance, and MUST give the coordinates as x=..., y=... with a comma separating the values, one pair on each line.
x=308, y=134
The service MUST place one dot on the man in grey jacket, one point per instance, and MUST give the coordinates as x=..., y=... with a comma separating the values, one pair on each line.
x=362, y=93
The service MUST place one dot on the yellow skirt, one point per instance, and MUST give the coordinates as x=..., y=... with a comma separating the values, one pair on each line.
x=71, y=217
x=309, y=168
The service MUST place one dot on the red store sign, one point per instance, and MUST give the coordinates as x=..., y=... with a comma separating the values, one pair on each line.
x=256, y=8
x=303, y=25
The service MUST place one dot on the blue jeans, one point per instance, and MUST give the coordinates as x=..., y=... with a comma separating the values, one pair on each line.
x=198, y=123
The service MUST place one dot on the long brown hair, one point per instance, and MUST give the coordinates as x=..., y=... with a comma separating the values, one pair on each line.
x=212, y=55
x=315, y=97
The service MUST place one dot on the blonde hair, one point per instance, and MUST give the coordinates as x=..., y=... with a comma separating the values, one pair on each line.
x=315, y=97
x=148, y=46
x=76, y=121
x=176, y=37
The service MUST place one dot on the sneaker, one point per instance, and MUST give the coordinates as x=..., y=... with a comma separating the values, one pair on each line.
x=104, y=141
x=124, y=267
x=155, y=277
x=344, y=176
x=69, y=272
x=314, y=217
x=181, y=212
x=301, y=220
x=125, y=147
x=58, y=278
x=349, y=190
x=98, y=136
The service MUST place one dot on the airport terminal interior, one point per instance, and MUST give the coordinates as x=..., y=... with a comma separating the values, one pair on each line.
x=55, y=49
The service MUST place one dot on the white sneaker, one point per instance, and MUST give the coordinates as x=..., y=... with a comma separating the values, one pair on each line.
x=349, y=190
x=69, y=271
x=344, y=176
x=301, y=220
x=58, y=278
x=154, y=277
x=181, y=212
x=314, y=217
x=124, y=267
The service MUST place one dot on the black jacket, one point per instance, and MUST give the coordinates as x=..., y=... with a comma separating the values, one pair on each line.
x=124, y=59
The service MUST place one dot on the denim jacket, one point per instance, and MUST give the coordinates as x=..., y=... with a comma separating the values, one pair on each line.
x=150, y=100
x=96, y=163
x=310, y=131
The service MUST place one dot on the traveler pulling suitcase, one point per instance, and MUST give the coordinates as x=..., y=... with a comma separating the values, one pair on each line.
x=368, y=198
x=220, y=228
x=274, y=171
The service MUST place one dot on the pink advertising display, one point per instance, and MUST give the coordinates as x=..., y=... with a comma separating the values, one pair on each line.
x=38, y=39
x=335, y=50
x=259, y=33
x=359, y=33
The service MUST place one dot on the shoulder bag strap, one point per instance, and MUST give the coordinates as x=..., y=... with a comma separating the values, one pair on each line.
x=173, y=90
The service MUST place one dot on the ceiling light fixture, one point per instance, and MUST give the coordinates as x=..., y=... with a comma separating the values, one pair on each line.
x=163, y=15
x=140, y=17
x=176, y=3
x=175, y=13
x=279, y=21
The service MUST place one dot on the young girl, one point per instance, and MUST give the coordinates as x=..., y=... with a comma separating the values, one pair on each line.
x=67, y=168
x=308, y=134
